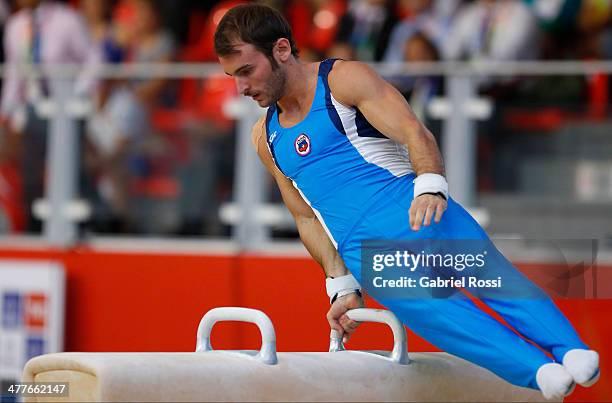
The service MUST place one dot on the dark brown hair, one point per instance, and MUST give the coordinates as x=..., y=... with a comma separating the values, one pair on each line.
x=256, y=24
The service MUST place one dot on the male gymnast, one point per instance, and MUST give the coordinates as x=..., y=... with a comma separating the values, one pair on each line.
x=350, y=160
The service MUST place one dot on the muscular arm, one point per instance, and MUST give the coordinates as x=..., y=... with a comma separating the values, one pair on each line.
x=311, y=231
x=387, y=110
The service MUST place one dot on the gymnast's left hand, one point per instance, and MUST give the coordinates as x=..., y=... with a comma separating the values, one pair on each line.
x=337, y=318
x=424, y=208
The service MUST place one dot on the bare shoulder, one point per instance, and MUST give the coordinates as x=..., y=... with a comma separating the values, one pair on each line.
x=258, y=132
x=349, y=81
x=350, y=66
x=259, y=138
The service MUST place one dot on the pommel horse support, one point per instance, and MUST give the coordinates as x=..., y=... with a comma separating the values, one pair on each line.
x=265, y=375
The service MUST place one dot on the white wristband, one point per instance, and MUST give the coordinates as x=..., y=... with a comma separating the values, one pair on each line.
x=341, y=286
x=430, y=183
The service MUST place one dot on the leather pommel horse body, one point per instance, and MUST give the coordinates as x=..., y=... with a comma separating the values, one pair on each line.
x=265, y=375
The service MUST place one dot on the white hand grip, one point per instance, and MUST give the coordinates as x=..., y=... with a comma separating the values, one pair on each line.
x=400, y=351
x=267, y=353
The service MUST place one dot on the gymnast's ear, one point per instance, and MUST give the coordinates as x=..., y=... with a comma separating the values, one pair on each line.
x=282, y=50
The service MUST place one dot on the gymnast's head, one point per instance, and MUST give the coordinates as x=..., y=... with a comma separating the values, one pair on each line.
x=255, y=45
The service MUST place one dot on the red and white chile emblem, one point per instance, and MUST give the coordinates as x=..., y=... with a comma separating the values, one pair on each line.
x=302, y=145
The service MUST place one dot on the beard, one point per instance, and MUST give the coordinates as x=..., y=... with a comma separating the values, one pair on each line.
x=275, y=86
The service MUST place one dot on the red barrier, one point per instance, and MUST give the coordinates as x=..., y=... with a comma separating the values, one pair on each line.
x=153, y=302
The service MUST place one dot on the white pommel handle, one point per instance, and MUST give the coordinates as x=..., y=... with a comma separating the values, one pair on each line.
x=267, y=353
x=400, y=350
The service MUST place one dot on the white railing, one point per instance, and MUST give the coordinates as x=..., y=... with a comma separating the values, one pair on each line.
x=201, y=70
x=457, y=111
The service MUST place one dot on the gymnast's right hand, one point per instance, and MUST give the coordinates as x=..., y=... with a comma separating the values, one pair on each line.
x=337, y=318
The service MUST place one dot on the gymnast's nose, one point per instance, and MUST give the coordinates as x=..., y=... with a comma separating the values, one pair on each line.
x=243, y=86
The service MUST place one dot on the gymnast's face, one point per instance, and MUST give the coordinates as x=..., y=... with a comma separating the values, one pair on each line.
x=256, y=76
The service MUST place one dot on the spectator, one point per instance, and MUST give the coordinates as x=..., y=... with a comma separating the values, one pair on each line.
x=556, y=16
x=573, y=29
x=123, y=119
x=494, y=30
x=107, y=142
x=430, y=17
x=150, y=42
x=419, y=48
x=98, y=15
x=54, y=34
x=558, y=24
x=366, y=28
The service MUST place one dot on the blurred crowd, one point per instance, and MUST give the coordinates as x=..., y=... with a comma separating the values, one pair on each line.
x=157, y=154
